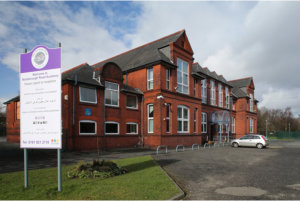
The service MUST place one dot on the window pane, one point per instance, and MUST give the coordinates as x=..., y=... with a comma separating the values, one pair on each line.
x=150, y=110
x=114, y=98
x=185, y=79
x=131, y=101
x=167, y=125
x=179, y=77
x=185, y=66
x=111, y=128
x=150, y=128
x=168, y=111
x=179, y=112
x=87, y=95
x=88, y=127
x=131, y=128
x=179, y=87
x=150, y=84
x=185, y=89
x=185, y=126
x=150, y=74
x=185, y=113
x=179, y=127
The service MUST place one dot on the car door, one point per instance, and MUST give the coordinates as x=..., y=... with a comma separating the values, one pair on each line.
x=243, y=140
x=251, y=142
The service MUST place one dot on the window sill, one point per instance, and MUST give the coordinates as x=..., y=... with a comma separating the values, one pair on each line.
x=85, y=134
x=131, y=108
x=112, y=106
x=112, y=134
x=131, y=133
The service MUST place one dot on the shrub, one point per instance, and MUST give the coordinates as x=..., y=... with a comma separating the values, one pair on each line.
x=96, y=169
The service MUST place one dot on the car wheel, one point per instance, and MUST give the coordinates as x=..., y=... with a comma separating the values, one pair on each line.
x=235, y=145
x=260, y=146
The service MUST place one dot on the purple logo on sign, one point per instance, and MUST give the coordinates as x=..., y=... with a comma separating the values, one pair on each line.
x=40, y=58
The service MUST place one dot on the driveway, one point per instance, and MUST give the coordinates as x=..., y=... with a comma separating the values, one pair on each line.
x=237, y=173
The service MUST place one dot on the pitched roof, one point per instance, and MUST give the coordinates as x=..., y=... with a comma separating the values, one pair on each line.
x=238, y=93
x=204, y=71
x=17, y=98
x=241, y=82
x=130, y=89
x=83, y=73
x=145, y=54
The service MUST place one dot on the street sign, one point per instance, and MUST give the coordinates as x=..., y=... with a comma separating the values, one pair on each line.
x=40, y=98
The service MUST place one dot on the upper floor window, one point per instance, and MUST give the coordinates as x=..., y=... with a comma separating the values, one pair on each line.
x=195, y=87
x=131, y=102
x=227, y=97
x=111, y=94
x=204, y=122
x=182, y=76
x=220, y=90
x=150, y=118
x=204, y=91
x=150, y=78
x=87, y=95
x=167, y=78
x=212, y=93
x=251, y=103
x=183, y=119
x=251, y=125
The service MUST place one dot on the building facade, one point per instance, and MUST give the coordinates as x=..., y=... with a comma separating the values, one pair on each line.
x=152, y=95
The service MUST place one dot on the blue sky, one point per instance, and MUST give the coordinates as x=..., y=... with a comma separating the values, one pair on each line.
x=236, y=39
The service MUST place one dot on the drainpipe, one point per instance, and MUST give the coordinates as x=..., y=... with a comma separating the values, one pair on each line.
x=143, y=123
x=74, y=87
x=104, y=137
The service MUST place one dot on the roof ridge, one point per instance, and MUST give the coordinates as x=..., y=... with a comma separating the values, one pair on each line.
x=80, y=65
x=241, y=79
x=138, y=47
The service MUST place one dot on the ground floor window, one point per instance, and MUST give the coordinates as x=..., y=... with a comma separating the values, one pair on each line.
x=131, y=128
x=150, y=118
x=251, y=125
x=87, y=127
x=233, y=125
x=111, y=127
x=204, y=122
x=168, y=111
x=183, y=119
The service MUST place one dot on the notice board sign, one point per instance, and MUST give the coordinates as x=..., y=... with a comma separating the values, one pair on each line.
x=40, y=98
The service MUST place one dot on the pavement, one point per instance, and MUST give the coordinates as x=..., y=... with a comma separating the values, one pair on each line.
x=220, y=173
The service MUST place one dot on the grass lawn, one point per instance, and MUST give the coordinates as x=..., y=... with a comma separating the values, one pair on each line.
x=145, y=180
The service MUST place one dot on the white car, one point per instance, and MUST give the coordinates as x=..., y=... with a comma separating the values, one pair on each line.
x=252, y=140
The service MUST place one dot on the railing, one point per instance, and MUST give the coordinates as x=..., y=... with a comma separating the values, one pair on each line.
x=195, y=145
x=178, y=146
x=162, y=146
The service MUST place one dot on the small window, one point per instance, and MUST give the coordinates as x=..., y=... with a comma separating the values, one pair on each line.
x=168, y=111
x=131, y=128
x=111, y=94
x=87, y=127
x=131, y=102
x=167, y=78
x=150, y=118
x=87, y=95
x=111, y=127
x=150, y=78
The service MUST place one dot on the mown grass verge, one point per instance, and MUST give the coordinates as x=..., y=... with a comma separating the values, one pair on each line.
x=145, y=180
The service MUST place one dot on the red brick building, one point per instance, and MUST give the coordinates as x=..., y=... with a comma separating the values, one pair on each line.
x=151, y=95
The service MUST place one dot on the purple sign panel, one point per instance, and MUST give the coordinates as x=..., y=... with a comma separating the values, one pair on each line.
x=40, y=98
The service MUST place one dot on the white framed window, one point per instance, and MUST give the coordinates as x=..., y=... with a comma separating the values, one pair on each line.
x=204, y=91
x=131, y=102
x=227, y=99
x=111, y=94
x=195, y=87
x=182, y=76
x=150, y=118
x=212, y=92
x=112, y=128
x=168, y=116
x=233, y=125
x=251, y=103
x=150, y=78
x=220, y=94
x=87, y=127
x=251, y=125
x=87, y=95
x=204, y=122
x=167, y=78
x=131, y=128
x=195, y=120
x=182, y=119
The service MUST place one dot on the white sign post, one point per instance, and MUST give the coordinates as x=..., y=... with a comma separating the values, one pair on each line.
x=40, y=100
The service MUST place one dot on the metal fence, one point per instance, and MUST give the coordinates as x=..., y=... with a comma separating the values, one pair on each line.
x=282, y=134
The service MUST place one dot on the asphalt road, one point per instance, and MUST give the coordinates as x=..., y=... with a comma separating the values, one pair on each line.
x=237, y=173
